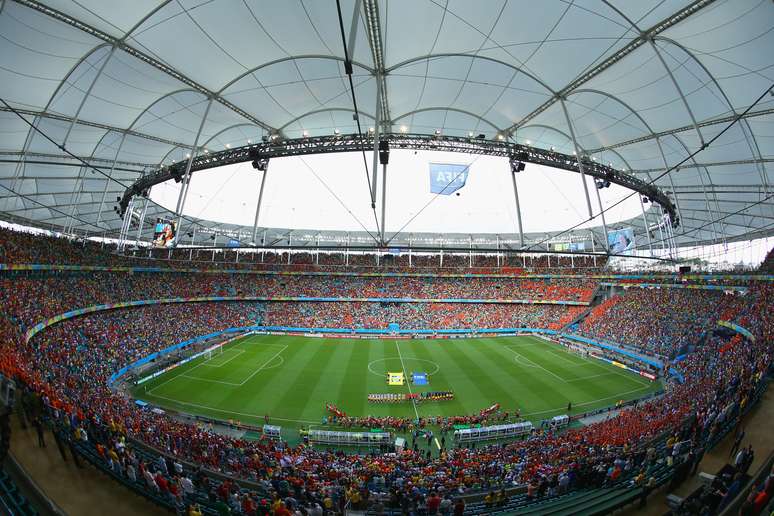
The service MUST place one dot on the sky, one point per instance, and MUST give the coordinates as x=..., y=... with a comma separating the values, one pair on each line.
x=330, y=192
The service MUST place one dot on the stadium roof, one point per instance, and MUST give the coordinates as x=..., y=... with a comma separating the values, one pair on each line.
x=128, y=87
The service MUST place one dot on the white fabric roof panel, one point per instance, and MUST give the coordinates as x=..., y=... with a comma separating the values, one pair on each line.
x=459, y=67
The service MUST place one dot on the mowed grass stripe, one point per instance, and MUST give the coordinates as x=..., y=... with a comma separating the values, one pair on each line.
x=385, y=358
x=354, y=380
x=326, y=386
x=439, y=381
x=255, y=395
x=240, y=368
x=550, y=362
x=209, y=393
x=467, y=390
x=471, y=354
x=533, y=390
x=560, y=352
x=314, y=370
x=578, y=392
x=291, y=393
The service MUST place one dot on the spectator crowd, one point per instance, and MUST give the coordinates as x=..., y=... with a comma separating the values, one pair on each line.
x=66, y=366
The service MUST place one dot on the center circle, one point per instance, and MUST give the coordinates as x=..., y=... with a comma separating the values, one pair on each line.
x=400, y=364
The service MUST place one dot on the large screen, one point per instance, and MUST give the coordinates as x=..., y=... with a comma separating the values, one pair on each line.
x=164, y=233
x=620, y=240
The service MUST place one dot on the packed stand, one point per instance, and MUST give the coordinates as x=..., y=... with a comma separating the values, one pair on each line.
x=105, y=287
x=55, y=363
x=767, y=266
x=21, y=247
x=66, y=366
x=418, y=316
x=659, y=322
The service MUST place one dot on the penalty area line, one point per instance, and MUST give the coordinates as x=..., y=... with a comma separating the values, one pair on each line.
x=264, y=365
x=536, y=364
x=239, y=353
x=178, y=375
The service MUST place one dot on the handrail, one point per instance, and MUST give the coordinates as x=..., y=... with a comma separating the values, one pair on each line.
x=763, y=471
x=32, y=491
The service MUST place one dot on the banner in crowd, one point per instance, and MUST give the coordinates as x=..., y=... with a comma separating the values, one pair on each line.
x=738, y=329
x=447, y=178
x=616, y=349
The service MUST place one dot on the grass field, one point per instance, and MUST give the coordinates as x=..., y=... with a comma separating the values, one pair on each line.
x=291, y=378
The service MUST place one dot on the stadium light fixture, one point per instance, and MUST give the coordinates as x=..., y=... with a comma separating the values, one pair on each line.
x=470, y=134
x=528, y=142
x=249, y=141
x=336, y=131
x=500, y=137
x=602, y=183
x=438, y=132
x=371, y=130
x=403, y=128
x=228, y=145
x=188, y=155
x=517, y=166
x=553, y=149
x=305, y=133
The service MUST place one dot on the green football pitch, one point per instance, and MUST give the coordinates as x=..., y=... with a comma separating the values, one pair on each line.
x=291, y=378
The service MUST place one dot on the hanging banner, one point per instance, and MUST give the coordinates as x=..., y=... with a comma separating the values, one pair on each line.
x=447, y=178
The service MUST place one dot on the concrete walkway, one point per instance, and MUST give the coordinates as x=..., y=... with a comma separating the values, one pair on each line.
x=758, y=432
x=89, y=492
x=82, y=492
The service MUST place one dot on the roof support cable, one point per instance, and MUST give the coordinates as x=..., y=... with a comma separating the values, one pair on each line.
x=668, y=171
x=83, y=162
x=348, y=70
x=433, y=198
x=726, y=216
